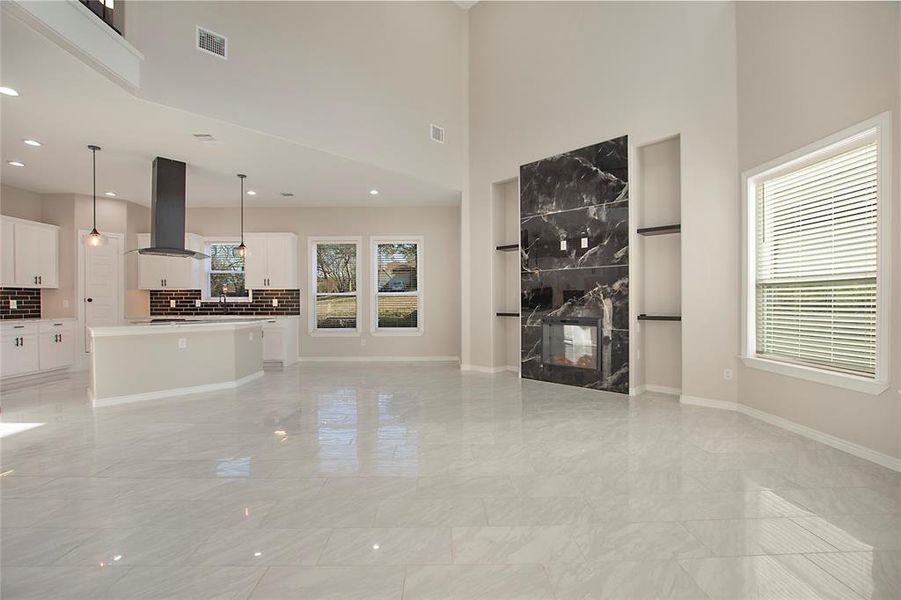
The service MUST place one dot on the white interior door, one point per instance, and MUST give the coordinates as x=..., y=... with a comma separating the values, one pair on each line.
x=102, y=285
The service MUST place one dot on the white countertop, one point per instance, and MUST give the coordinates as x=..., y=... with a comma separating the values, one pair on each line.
x=179, y=327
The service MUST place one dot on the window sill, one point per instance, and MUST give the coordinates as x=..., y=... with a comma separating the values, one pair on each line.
x=334, y=333
x=848, y=382
x=397, y=332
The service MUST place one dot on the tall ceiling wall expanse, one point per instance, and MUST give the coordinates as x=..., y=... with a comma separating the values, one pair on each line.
x=551, y=77
x=805, y=71
x=361, y=80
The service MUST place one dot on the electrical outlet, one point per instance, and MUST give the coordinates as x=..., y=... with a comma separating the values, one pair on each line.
x=65, y=304
x=171, y=303
x=197, y=303
x=362, y=341
x=13, y=304
x=727, y=374
x=275, y=302
x=182, y=343
x=250, y=336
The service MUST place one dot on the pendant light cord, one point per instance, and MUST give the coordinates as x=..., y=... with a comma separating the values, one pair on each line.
x=94, y=161
x=242, y=211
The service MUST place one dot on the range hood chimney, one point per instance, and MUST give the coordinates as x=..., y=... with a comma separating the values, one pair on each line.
x=167, y=211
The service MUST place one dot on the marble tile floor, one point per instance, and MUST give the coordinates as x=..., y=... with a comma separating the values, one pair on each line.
x=419, y=482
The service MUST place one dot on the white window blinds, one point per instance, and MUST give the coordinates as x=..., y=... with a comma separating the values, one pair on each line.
x=817, y=263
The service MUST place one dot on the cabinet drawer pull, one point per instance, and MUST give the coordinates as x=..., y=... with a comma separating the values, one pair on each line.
x=18, y=327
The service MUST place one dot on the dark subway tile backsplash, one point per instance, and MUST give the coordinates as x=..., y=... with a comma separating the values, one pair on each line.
x=261, y=306
x=28, y=303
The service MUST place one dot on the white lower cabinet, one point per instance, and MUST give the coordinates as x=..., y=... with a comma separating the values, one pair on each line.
x=20, y=349
x=57, y=348
x=36, y=346
x=280, y=340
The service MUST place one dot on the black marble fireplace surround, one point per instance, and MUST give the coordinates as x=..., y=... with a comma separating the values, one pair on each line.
x=574, y=239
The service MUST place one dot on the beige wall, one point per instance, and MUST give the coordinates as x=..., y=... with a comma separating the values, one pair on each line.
x=805, y=71
x=441, y=269
x=547, y=77
x=16, y=202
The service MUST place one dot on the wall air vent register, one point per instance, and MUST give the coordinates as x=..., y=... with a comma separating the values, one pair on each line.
x=436, y=133
x=212, y=43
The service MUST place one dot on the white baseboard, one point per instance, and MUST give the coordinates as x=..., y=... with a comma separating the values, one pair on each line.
x=654, y=389
x=454, y=359
x=481, y=369
x=889, y=462
x=194, y=389
x=707, y=402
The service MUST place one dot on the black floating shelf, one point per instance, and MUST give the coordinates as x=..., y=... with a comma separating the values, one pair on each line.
x=507, y=314
x=661, y=230
x=508, y=247
x=659, y=318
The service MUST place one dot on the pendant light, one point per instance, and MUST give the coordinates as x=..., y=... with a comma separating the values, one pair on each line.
x=242, y=249
x=95, y=238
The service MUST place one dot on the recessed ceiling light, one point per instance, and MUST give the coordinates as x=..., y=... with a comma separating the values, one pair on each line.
x=251, y=193
x=373, y=192
x=15, y=163
x=8, y=91
x=110, y=194
x=33, y=143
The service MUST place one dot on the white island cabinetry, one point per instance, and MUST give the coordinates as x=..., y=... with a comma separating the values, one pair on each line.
x=146, y=361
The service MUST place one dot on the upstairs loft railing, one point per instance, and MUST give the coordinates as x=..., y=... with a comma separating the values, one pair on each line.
x=105, y=9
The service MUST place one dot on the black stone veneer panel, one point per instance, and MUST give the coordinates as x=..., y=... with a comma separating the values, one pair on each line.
x=570, y=196
x=605, y=229
x=585, y=177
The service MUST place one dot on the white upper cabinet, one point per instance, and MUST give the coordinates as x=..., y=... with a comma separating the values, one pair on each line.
x=30, y=254
x=170, y=272
x=271, y=260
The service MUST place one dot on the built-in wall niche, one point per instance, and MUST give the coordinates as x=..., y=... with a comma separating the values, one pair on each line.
x=657, y=266
x=506, y=274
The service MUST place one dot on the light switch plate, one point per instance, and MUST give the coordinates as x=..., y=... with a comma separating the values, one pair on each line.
x=197, y=303
x=171, y=303
x=275, y=302
x=13, y=304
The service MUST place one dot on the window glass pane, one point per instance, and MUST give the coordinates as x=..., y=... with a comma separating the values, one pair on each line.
x=397, y=311
x=336, y=268
x=397, y=267
x=817, y=261
x=223, y=257
x=336, y=312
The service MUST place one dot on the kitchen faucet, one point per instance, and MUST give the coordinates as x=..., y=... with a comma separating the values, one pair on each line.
x=223, y=299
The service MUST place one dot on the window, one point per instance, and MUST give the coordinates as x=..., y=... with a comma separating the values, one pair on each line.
x=397, y=285
x=226, y=272
x=816, y=277
x=336, y=305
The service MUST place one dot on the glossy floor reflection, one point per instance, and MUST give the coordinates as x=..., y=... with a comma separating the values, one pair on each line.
x=415, y=482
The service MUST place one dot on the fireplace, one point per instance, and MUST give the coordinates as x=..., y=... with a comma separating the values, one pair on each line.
x=573, y=342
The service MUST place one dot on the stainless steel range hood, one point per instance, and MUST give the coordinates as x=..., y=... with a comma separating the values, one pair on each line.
x=167, y=212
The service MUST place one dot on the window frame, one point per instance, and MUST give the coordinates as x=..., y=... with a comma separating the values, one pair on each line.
x=878, y=129
x=206, y=293
x=313, y=243
x=374, y=328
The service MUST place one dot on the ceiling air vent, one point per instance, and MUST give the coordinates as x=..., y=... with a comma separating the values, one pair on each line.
x=212, y=43
x=436, y=133
x=205, y=138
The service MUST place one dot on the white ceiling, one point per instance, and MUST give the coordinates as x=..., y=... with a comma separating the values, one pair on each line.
x=67, y=105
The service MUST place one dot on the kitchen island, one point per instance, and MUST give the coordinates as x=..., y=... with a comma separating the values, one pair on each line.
x=149, y=360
